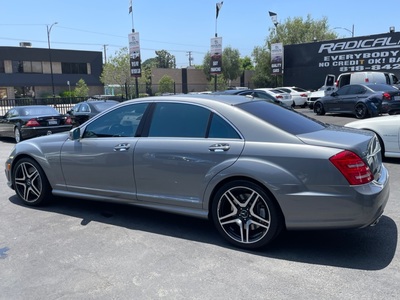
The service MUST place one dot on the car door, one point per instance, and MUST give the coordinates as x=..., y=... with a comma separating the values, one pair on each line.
x=336, y=102
x=180, y=155
x=356, y=93
x=7, y=124
x=101, y=162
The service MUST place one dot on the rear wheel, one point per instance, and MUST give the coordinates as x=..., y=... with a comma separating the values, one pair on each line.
x=319, y=109
x=245, y=215
x=17, y=135
x=361, y=111
x=30, y=182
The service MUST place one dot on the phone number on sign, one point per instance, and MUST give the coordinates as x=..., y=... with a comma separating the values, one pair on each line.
x=370, y=68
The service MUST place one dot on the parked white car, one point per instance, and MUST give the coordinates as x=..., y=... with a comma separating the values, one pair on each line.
x=282, y=96
x=299, y=95
x=387, y=128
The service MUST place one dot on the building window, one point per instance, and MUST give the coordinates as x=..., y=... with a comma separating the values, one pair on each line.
x=27, y=66
x=74, y=68
x=2, y=69
x=17, y=66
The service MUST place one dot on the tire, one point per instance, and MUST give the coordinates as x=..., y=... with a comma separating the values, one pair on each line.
x=319, y=109
x=245, y=215
x=30, y=182
x=17, y=135
x=361, y=111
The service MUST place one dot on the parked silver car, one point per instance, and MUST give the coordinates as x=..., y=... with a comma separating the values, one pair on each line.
x=252, y=167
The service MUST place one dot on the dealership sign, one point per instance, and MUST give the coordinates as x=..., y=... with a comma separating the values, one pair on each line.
x=216, y=55
x=134, y=54
x=307, y=64
x=277, y=58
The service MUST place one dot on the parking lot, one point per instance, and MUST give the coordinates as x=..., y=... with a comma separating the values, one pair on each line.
x=75, y=249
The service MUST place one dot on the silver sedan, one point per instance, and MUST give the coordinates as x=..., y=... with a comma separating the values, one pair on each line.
x=252, y=167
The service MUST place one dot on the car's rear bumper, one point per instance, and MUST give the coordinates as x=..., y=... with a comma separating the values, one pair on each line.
x=359, y=207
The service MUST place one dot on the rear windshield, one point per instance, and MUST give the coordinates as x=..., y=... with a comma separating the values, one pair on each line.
x=382, y=87
x=283, y=118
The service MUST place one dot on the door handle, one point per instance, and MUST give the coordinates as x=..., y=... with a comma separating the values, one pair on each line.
x=122, y=147
x=219, y=147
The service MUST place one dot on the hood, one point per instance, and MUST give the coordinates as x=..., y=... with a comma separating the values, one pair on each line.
x=51, y=138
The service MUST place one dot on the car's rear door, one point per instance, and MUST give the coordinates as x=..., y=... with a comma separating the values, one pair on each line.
x=175, y=161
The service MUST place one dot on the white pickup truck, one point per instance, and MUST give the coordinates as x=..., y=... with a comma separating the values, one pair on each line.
x=332, y=85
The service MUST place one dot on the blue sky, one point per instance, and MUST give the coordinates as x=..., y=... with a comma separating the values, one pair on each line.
x=177, y=26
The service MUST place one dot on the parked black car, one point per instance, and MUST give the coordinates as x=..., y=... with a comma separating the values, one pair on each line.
x=361, y=100
x=24, y=122
x=85, y=110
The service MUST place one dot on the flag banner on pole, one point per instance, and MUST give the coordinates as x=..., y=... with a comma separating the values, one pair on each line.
x=218, y=7
x=216, y=55
x=274, y=17
x=130, y=6
x=134, y=54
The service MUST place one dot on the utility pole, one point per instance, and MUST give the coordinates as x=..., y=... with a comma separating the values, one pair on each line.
x=189, y=53
x=105, y=53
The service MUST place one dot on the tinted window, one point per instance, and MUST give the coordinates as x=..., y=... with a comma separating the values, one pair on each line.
x=221, y=129
x=356, y=90
x=179, y=120
x=285, y=119
x=122, y=121
x=344, y=90
x=382, y=87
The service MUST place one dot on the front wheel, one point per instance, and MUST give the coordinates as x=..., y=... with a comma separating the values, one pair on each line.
x=245, y=215
x=319, y=109
x=30, y=182
x=361, y=111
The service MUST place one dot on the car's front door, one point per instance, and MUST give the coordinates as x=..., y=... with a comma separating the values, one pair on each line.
x=180, y=155
x=101, y=162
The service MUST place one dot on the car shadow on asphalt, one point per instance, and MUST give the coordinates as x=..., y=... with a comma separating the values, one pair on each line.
x=371, y=248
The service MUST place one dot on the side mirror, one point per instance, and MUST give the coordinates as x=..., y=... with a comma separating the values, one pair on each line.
x=75, y=134
x=334, y=94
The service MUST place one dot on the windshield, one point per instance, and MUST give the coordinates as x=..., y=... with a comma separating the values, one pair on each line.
x=283, y=118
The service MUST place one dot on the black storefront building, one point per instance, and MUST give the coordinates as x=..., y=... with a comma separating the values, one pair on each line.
x=26, y=71
x=306, y=65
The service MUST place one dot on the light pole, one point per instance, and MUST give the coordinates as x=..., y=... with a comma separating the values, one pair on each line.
x=51, y=63
x=348, y=30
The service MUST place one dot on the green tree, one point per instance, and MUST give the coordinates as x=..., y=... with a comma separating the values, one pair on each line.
x=231, y=66
x=117, y=71
x=292, y=31
x=81, y=90
x=166, y=85
x=165, y=60
x=246, y=63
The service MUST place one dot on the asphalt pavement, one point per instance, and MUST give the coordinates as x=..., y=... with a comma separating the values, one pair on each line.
x=75, y=249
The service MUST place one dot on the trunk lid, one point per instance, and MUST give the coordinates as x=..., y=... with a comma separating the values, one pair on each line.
x=364, y=143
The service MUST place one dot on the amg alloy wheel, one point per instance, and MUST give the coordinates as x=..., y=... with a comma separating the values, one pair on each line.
x=30, y=182
x=245, y=215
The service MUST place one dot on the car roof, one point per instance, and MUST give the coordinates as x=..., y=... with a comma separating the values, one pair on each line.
x=200, y=98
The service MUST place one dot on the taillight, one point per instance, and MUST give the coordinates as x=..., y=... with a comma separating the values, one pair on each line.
x=303, y=95
x=279, y=97
x=352, y=167
x=386, y=96
x=32, y=123
x=68, y=121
